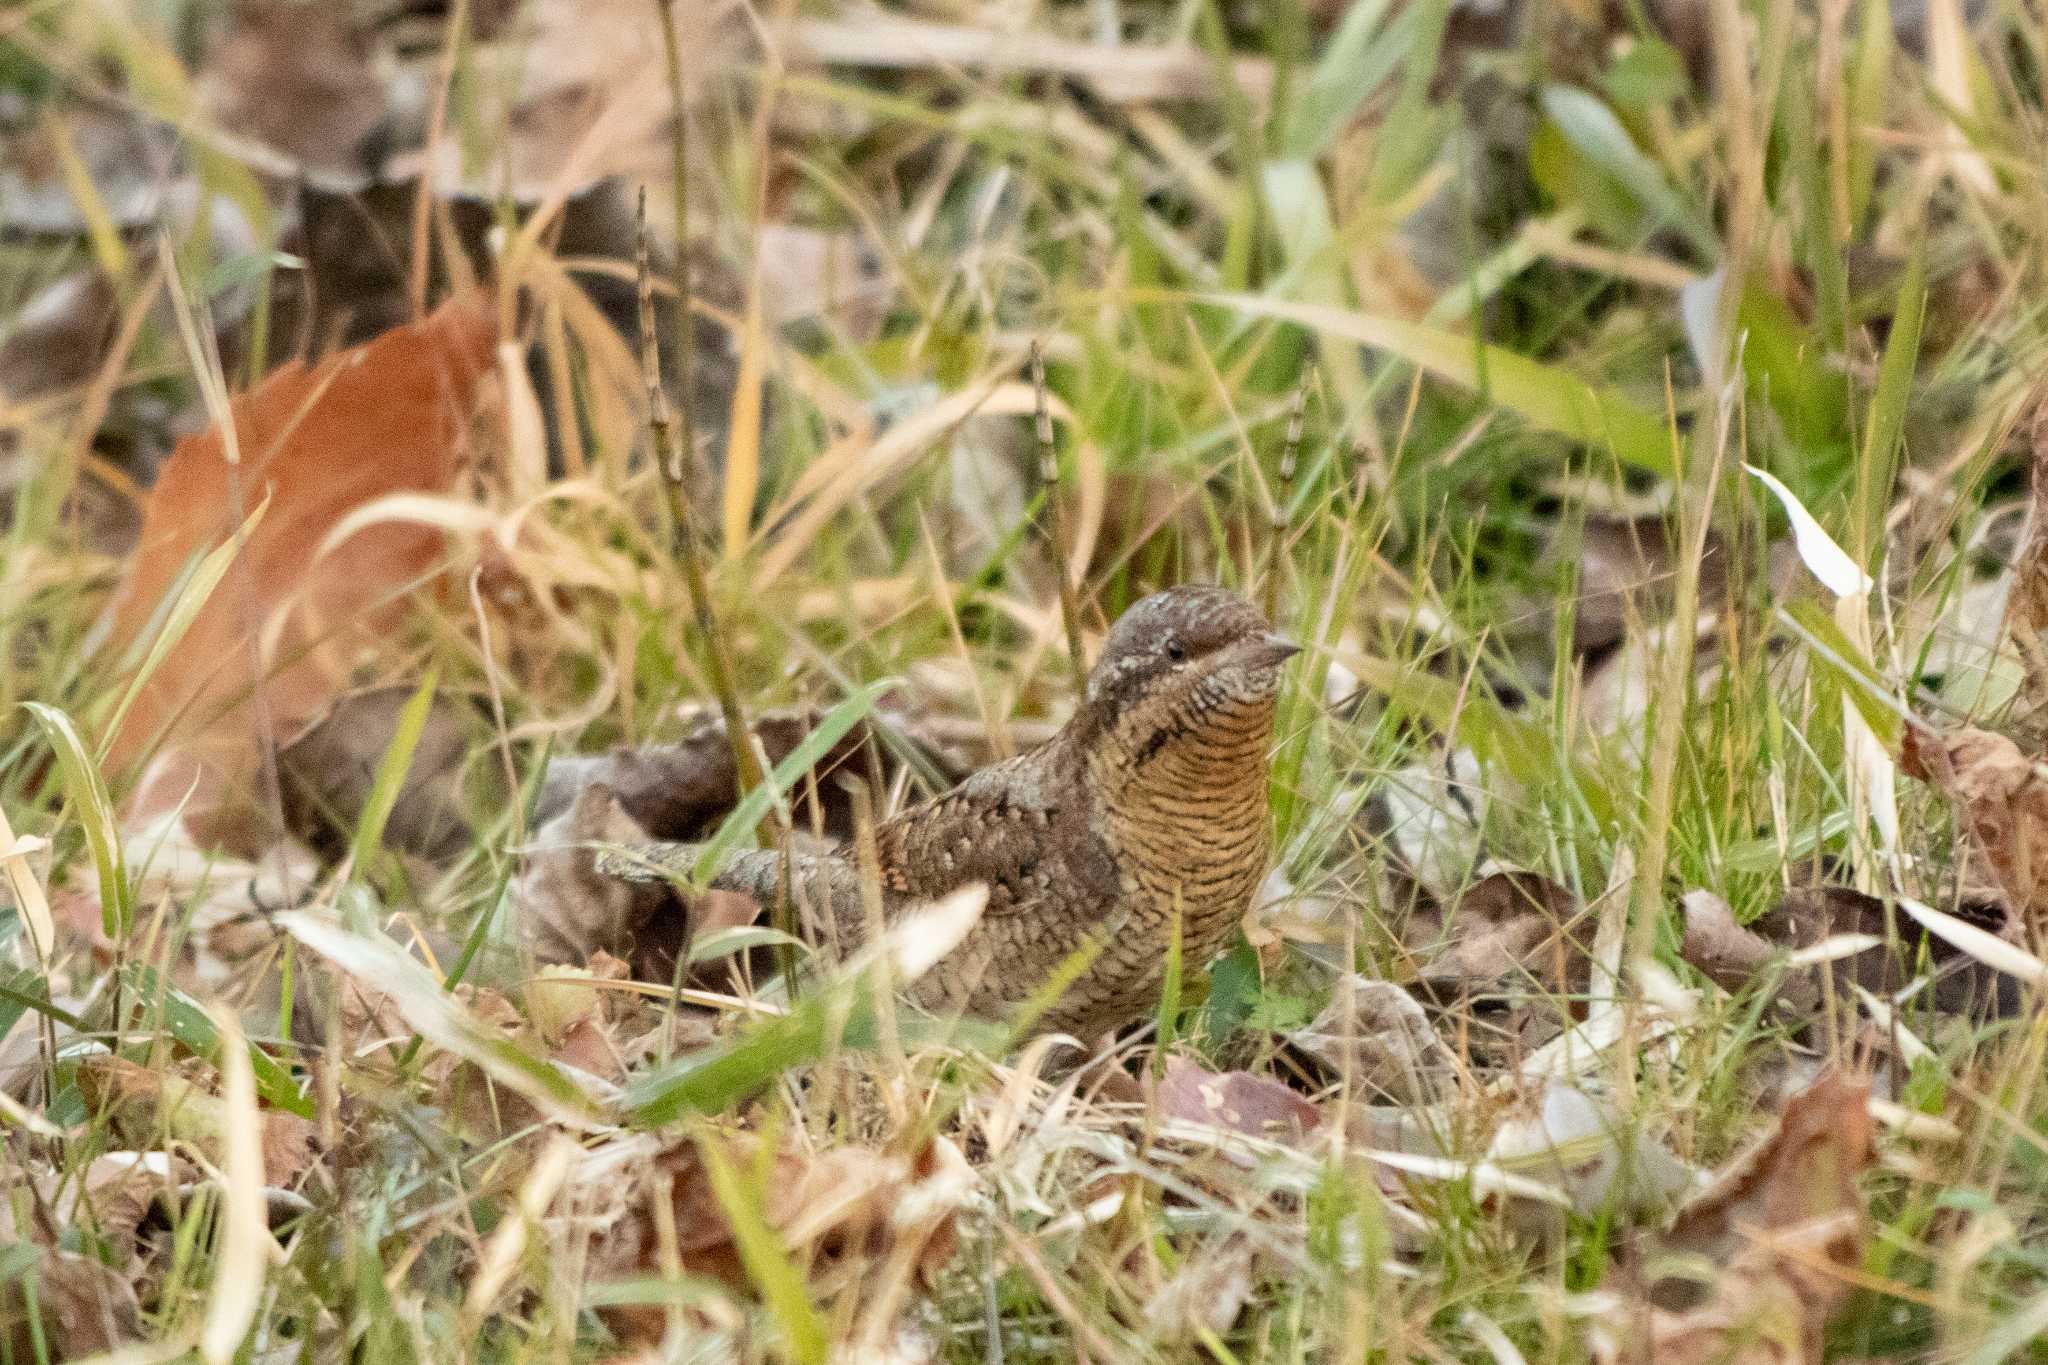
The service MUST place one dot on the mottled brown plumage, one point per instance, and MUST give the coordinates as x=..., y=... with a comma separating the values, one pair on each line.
x=1149, y=805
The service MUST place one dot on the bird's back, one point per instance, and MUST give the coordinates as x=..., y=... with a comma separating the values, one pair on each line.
x=1026, y=828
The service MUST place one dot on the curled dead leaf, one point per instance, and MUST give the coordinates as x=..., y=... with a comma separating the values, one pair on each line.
x=857, y=1221
x=1206, y=1293
x=1859, y=943
x=1754, y=1265
x=2001, y=795
x=1378, y=1036
x=1513, y=964
x=84, y=1307
x=566, y=910
x=147, y=1107
x=329, y=769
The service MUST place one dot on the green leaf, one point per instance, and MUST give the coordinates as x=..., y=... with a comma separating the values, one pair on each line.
x=1356, y=61
x=1542, y=394
x=839, y=1015
x=1784, y=360
x=1840, y=659
x=1596, y=134
x=739, y=938
x=1870, y=93
x=746, y=817
x=1650, y=73
x=712, y=1080
x=245, y=267
x=88, y=796
x=1413, y=131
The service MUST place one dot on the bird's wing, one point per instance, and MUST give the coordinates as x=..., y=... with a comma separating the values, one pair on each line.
x=1018, y=827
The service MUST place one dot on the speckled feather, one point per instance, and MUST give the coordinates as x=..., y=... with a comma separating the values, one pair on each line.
x=1149, y=805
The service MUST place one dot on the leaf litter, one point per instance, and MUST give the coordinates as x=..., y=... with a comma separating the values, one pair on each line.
x=491, y=1043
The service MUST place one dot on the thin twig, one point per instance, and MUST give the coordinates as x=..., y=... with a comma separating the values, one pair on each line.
x=1056, y=522
x=674, y=479
x=1283, y=496
x=679, y=158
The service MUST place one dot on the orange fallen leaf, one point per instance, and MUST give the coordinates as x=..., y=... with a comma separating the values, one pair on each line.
x=315, y=444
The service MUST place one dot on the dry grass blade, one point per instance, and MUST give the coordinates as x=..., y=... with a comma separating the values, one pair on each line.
x=244, y=1222
x=1117, y=73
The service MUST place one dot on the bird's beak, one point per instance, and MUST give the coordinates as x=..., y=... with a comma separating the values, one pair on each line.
x=1271, y=649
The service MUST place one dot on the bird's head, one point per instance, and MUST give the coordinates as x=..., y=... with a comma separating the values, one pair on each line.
x=1187, y=648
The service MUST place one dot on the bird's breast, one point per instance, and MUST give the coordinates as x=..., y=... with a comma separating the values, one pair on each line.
x=1187, y=816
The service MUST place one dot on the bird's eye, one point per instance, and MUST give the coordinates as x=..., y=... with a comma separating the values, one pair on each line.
x=1176, y=651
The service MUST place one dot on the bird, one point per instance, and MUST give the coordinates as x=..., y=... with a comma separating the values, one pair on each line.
x=1145, y=811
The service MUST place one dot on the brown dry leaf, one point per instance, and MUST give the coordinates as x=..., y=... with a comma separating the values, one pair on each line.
x=1206, y=1293
x=577, y=91
x=1728, y=954
x=59, y=337
x=1382, y=1040
x=329, y=769
x=872, y=1223
x=681, y=791
x=85, y=1307
x=2002, y=798
x=1755, y=1264
x=1805, y=1169
x=1734, y=956
x=1514, y=963
x=146, y=1107
x=316, y=444
x=566, y=910
x=2026, y=602
x=301, y=80
x=1234, y=1100
x=575, y=1016
x=110, y=1198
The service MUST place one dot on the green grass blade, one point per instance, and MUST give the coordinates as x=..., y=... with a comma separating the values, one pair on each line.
x=1596, y=134
x=438, y=1016
x=87, y=794
x=1541, y=394
x=391, y=773
x=761, y=1252
x=190, y=597
x=1886, y=423
x=739, y=827
x=186, y=1020
x=1357, y=60
x=738, y=939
